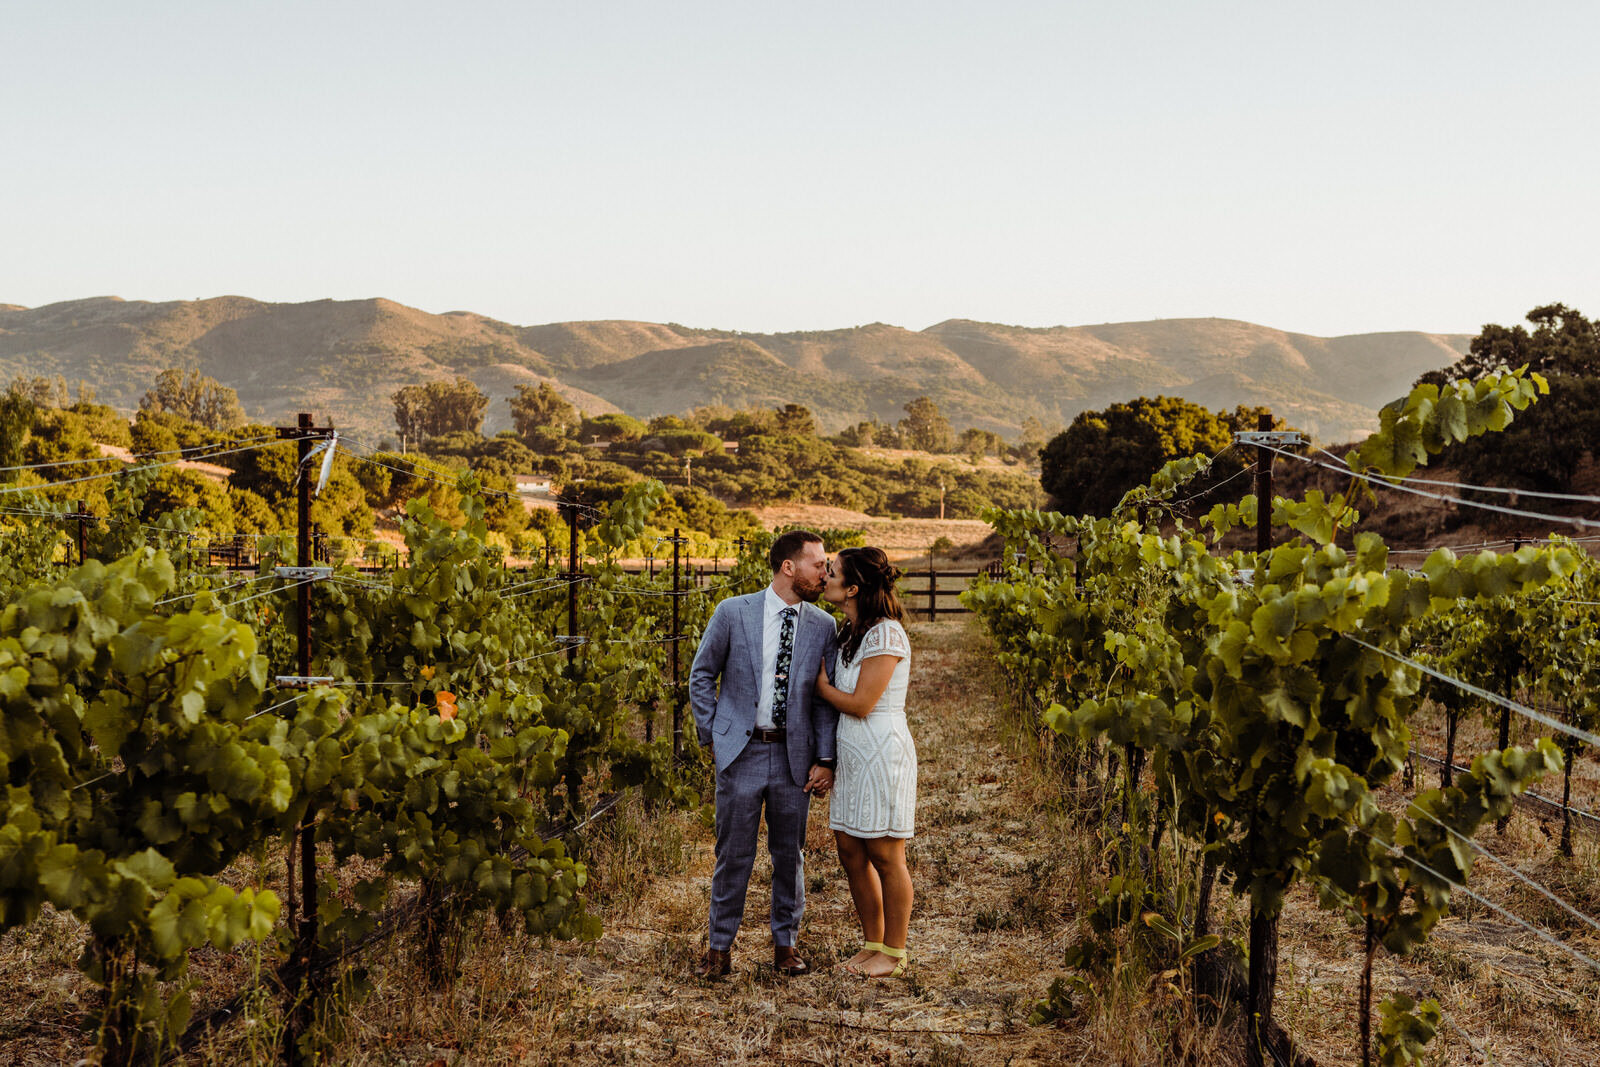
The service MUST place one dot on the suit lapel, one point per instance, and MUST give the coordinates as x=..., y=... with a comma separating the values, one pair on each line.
x=805, y=632
x=752, y=631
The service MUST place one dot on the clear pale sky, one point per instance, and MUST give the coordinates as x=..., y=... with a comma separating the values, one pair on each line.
x=1322, y=168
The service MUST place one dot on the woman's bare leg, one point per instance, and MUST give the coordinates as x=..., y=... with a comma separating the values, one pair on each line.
x=887, y=857
x=866, y=892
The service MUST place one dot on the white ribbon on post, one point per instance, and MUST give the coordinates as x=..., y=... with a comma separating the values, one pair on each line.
x=328, y=445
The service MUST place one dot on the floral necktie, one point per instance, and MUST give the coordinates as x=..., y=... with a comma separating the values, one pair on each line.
x=780, y=675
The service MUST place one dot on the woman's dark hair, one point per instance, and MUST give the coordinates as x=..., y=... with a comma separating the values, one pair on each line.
x=870, y=571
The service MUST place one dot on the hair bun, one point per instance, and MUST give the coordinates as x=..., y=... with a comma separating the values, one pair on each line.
x=891, y=573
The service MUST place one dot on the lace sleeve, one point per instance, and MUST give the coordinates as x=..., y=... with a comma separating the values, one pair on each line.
x=886, y=638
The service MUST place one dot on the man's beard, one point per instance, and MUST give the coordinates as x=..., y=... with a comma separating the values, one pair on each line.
x=807, y=591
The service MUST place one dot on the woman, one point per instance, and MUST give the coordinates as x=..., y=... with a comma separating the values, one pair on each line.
x=875, y=786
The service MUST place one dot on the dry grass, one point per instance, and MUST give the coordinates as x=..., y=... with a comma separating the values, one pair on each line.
x=1003, y=866
x=902, y=539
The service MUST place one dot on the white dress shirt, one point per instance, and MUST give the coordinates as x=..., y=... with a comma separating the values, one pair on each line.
x=772, y=608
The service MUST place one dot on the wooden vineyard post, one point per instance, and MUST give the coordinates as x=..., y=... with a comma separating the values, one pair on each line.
x=571, y=509
x=1263, y=929
x=1263, y=488
x=303, y=998
x=677, y=636
x=1263, y=925
x=304, y=992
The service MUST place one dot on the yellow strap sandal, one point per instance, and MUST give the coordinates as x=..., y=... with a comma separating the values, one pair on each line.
x=866, y=946
x=899, y=956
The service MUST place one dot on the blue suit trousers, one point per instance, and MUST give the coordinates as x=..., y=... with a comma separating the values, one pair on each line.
x=759, y=778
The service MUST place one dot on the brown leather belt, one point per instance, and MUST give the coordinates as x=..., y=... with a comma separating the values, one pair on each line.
x=769, y=736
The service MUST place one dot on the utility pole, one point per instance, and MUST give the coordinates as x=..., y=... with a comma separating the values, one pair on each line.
x=304, y=434
x=1265, y=440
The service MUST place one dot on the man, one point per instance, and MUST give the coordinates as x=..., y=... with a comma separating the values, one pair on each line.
x=771, y=745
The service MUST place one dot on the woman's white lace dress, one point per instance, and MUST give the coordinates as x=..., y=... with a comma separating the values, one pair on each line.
x=875, y=783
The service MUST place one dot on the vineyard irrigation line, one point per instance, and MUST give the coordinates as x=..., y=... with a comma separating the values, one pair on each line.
x=6, y=490
x=1534, y=796
x=218, y=589
x=1157, y=498
x=1402, y=487
x=1482, y=546
x=1542, y=935
x=1529, y=882
x=1486, y=545
x=275, y=707
x=579, y=641
x=540, y=655
x=38, y=514
x=1579, y=497
x=359, y=583
x=534, y=588
x=269, y=592
x=1483, y=694
x=1207, y=492
x=637, y=590
x=92, y=781
x=544, y=580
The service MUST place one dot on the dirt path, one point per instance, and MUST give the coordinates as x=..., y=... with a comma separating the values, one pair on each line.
x=986, y=909
x=998, y=863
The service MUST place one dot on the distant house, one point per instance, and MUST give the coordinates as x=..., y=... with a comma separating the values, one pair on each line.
x=534, y=486
x=730, y=446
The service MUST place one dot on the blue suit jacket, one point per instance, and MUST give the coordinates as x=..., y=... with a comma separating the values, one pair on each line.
x=730, y=651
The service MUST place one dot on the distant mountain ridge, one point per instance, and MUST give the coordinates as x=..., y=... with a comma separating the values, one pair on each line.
x=342, y=360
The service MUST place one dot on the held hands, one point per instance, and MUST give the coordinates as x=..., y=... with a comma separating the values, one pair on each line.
x=820, y=782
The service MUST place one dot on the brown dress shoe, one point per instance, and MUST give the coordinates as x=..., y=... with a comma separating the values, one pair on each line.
x=786, y=960
x=715, y=964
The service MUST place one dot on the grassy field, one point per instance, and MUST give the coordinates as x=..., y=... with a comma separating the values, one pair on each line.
x=1005, y=862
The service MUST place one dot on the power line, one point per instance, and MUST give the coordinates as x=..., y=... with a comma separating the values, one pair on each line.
x=143, y=455
x=117, y=473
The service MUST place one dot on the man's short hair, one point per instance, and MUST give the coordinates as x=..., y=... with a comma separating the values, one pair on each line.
x=788, y=545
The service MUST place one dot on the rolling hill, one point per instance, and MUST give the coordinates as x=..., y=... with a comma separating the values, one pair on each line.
x=342, y=360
